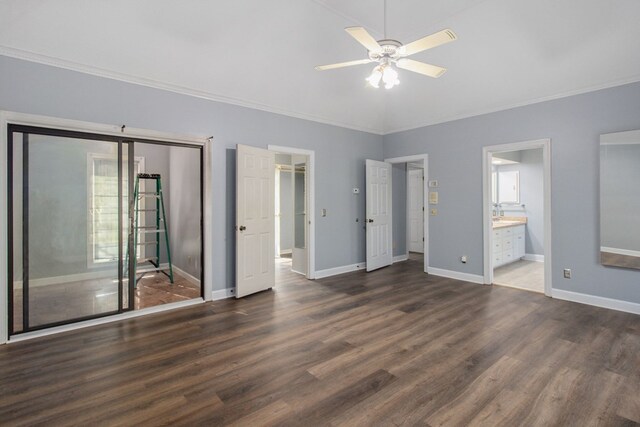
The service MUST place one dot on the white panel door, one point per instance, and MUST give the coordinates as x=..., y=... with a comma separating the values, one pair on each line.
x=255, y=220
x=378, y=214
x=415, y=210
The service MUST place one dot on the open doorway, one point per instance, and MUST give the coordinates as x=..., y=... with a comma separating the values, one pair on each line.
x=516, y=216
x=293, y=213
x=409, y=208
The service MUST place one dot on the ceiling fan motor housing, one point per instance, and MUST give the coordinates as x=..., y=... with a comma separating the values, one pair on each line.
x=391, y=49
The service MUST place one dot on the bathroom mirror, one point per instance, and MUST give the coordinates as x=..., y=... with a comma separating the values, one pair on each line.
x=620, y=199
x=509, y=187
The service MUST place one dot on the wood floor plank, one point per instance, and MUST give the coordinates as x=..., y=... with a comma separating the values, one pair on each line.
x=390, y=347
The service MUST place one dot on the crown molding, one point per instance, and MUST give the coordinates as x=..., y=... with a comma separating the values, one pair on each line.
x=142, y=81
x=483, y=111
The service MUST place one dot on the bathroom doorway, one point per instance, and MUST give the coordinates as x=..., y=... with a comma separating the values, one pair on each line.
x=517, y=216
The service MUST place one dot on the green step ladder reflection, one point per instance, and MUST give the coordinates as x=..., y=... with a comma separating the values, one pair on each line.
x=158, y=230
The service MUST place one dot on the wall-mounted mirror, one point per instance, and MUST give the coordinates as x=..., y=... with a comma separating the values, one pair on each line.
x=620, y=199
x=509, y=187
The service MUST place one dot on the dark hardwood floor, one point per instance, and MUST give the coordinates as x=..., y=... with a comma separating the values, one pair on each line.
x=392, y=347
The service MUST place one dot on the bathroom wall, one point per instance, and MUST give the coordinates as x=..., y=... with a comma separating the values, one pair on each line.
x=531, y=195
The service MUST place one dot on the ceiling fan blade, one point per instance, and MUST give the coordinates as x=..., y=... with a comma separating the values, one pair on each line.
x=429, y=42
x=342, y=64
x=364, y=38
x=420, y=67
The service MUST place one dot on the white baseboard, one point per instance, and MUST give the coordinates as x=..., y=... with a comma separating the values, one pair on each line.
x=613, y=304
x=473, y=278
x=191, y=279
x=534, y=257
x=320, y=274
x=618, y=251
x=56, y=280
x=91, y=275
x=400, y=258
x=223, y=294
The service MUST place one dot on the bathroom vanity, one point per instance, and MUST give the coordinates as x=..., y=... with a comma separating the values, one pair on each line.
x=508, y=240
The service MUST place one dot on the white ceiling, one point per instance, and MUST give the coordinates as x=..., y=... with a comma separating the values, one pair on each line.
x=261, y=53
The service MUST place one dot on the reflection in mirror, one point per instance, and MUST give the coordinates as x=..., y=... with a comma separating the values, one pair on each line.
x=509, y=187
x=299, y=202
x=620, y=199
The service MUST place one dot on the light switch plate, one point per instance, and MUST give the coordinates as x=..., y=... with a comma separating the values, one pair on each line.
x=323, y=212
x=433, y=197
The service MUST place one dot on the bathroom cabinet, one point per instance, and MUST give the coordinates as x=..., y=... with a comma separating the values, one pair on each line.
x=508, y=244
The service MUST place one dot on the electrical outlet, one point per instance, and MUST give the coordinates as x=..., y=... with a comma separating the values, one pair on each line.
x=464, y=259
x=567, y=273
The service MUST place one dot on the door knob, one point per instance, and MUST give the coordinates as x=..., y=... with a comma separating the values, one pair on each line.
x=242, y=228
x=370, y=220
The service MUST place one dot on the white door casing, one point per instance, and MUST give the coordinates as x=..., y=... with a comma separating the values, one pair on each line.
x=415, y=211
x=378, y=214
x=255, y=220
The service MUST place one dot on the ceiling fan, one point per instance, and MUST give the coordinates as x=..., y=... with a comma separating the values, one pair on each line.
x=387, y=52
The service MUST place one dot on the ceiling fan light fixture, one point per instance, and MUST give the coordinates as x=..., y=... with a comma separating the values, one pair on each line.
x=375, y=77
x=390, y=77
x=387, y=52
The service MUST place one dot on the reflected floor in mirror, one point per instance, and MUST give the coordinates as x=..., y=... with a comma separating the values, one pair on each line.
x=617, y=260
x=64, y=301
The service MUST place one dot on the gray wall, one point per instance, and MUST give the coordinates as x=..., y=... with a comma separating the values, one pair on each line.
x=340, y=153
x=531, y=195
x=399, y=208
x=620, y=196
x=59, y=206
x=184, y=211
x=574, y=125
